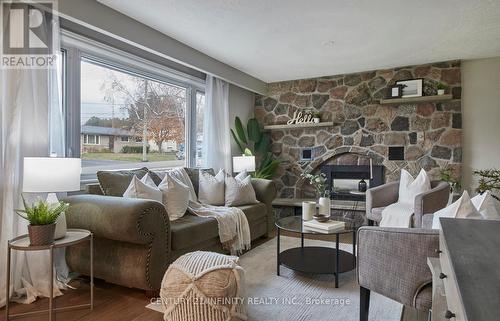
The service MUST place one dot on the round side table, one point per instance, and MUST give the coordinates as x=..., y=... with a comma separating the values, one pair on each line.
x=22, y=243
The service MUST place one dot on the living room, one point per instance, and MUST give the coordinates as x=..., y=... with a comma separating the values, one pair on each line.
x=250, y=160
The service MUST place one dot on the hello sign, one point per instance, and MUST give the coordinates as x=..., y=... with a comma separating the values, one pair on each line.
x=300, y=118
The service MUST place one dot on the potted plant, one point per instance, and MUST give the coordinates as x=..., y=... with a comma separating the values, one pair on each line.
x=489, y=180
x=42, y=217
x=446, y=175
x=440, y=88
x=252, y=141
x=316, y=117
x=319, y=183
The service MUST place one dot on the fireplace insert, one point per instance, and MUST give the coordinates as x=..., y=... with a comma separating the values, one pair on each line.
x=374, y=174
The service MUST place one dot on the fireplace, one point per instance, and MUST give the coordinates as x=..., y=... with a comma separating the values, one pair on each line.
x=374, y=174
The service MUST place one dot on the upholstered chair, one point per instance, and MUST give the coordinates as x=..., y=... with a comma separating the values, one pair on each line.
x=393, y=263
x=380, y=197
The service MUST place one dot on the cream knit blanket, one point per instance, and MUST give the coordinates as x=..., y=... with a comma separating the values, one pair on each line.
x=234, y=231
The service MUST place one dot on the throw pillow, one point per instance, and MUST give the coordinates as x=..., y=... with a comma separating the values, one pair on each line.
x=194, y=175
x=462, y=208
x=211, y=188
x=239, y=190
x=485, y=204
x=144, y=188
x=409, y=187
x=175, y=197
x=115, y=183
x=242, y=175
x=157, y=175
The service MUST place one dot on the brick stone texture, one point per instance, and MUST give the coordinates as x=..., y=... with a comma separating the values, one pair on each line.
x=363, y=129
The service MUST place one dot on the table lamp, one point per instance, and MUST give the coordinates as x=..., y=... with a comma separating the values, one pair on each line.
x=242, y=163
x=52, y=175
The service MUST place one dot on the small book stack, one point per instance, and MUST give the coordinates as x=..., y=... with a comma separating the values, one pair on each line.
x=325, y=227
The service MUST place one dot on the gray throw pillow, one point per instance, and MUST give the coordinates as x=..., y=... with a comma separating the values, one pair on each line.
x=115, y=183
x=194, y=175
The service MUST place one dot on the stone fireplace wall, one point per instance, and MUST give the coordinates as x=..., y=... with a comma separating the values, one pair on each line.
x=364, y=129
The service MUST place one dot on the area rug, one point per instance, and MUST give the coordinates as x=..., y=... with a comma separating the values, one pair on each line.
x=295, y=296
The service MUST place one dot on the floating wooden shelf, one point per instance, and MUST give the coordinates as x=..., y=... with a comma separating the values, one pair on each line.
x=411, y=100
x=295, y=126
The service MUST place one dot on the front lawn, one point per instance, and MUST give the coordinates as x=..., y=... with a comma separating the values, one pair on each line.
x=152, y=157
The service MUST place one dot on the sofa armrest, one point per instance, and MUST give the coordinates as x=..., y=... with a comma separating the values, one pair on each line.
x=266, y=191
x=393, y=261
x=431, y=201
x=137, y=221
x=382, y=196
x=141, y=223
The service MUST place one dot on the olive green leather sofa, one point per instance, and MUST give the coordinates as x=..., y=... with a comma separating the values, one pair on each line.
x=134, y=240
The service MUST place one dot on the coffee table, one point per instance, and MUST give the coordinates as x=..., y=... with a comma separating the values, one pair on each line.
x=315, y=259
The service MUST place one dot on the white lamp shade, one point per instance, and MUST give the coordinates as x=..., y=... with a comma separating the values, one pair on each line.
x=51, y=174
x=241, y=163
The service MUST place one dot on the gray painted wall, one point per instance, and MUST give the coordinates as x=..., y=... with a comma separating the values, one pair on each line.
x=91, y=14
x=481, y=116
x=241, y=104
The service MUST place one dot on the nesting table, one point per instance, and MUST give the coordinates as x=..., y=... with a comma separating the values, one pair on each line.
x=22, y=243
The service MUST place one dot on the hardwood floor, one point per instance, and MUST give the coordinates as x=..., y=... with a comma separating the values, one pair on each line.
x=111, y=302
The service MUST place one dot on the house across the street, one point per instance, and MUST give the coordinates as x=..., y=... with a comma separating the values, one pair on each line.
x=95, y=139
x=107, y=139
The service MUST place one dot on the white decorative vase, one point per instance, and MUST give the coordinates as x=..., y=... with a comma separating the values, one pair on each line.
x=440, y=92
x=308, y=210
x=61, y=226
x=324, y=206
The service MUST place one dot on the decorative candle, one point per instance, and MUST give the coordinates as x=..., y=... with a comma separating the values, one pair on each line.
x=371, y=169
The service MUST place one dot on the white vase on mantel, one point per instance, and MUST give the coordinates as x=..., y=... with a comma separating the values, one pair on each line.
x=324, y=206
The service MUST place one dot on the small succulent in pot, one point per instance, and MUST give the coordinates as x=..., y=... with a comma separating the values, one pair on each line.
x=316, y=117
x=42, y=217
x=440, y=88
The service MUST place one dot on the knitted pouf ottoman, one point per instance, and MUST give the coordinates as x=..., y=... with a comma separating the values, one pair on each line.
x=203, y=286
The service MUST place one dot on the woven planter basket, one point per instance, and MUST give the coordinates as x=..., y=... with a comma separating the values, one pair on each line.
x=41, y=234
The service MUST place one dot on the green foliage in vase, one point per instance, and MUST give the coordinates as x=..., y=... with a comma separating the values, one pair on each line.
x=254, y=142
x=489, y=180
x=446, y=175
x=318, y=182
x=41, y=212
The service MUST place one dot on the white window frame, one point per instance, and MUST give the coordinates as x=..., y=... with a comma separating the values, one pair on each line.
x=78, y=47
x=97, y=139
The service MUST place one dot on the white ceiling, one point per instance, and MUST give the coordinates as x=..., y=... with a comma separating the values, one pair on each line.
x=276, y=40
